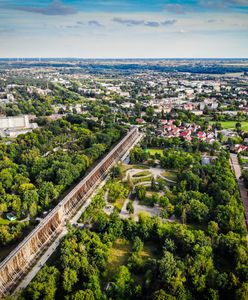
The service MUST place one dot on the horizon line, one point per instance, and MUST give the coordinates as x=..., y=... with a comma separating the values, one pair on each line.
x=116, y=58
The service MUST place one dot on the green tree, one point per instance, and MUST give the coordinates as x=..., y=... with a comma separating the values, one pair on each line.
x=140, y=192
x=44, y=285
x=122, y=283
x=162, y=295
x=130, y=207
x=83, y=295
x=197, y=211
x=167, y=267
x=69, y=279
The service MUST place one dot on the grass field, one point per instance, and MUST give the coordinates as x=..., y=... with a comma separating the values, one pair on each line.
x=121, y=251
x=142, y=179
x=155, y=151
x=119, y=203
x=170, y=175
x=232, y=125
x=141, y=174
x=129, y=167
x=150, y=250
x=5, y=222
x=119, y=255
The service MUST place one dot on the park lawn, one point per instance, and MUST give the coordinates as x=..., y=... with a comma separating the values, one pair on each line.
x=170, y=175
x=153, y=151
x=142, y=179
x=141, y=167
x=142, y=174
x=129, y=167
x=121, y=251
x=232, y=125
x=150, y=250
x=119, y=203
x=244, y=160
x=6, y=222
x=119, y=255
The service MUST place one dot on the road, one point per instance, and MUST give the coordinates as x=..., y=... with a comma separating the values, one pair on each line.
x=243, y=191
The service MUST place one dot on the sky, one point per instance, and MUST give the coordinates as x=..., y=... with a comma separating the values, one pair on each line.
x=124, y=29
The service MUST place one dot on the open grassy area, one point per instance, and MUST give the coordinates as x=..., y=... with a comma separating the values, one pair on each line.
x=129, y=167
x=119, y=203
x=170, y=175
x=6, y=222
x=141, y=174
x=119, y=255
x=142, y=179
x=155, y=151
x=150, y=250
x=232, y=125
x=243, y=160
x=121, y=251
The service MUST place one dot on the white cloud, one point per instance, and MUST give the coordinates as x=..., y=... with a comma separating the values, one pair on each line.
x=41, y=35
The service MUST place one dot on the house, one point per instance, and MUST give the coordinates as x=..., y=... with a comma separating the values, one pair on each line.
x=210, y=140
x=11, y=216
x=140, y=121
x=185, y=134
x=205, y=160
x=210, y=135
x=201, y=135
x=239, y=148
x=175, y=131
x=170, y=122
x=168, y=127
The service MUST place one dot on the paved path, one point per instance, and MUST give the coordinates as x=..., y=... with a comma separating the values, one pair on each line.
x=152, y=211
x=243, y=191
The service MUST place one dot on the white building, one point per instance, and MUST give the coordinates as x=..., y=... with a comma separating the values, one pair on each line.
x=13, y=126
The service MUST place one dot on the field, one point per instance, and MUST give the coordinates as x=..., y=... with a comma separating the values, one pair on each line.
x=142, y=174
x=231, y=125
x=128, y=167
x=170, y=175
x=119, y=203
x=5, y=222
x=155, y=151
x=119, y=255
x=122, y=250
x=142, y=179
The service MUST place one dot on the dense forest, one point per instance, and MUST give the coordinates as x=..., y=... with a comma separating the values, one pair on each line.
x=38, y=167
x=204, y=256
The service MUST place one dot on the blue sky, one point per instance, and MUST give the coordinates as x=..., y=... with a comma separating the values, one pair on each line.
x=131, y=28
